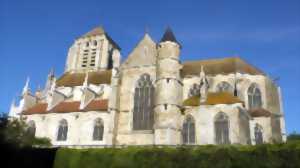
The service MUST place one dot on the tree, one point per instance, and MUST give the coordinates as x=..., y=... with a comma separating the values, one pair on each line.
x=15, y=131
x=293, y=137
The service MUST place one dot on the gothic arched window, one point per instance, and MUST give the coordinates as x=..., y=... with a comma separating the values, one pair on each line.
x=224, y=87
x=31, y=128
x=62, y=130
x=143, y=104
x=194, y=90
x=98, y=130
x=258, y=134
x=188, y=131
x=222, y=128
x=254, y=97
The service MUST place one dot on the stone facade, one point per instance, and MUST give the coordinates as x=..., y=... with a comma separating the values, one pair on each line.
x=187, y=105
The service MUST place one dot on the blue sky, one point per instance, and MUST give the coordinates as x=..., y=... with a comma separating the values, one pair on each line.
x=35, y=35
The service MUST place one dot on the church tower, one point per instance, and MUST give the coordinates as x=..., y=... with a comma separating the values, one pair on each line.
x=168, y=92
x=93, y=51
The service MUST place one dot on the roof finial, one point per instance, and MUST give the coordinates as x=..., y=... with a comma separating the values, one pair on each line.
x=26, y=87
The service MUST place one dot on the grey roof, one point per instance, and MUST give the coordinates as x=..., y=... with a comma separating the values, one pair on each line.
x=169, y=36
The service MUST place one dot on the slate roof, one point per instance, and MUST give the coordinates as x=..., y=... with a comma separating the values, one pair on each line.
x=65, y=107
x=219, y=66
x=169, y=36
x=76, y=79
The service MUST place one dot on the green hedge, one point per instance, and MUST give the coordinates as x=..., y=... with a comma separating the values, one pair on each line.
x=262, y=156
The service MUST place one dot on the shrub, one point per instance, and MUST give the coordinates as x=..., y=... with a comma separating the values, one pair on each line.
x=268, y=156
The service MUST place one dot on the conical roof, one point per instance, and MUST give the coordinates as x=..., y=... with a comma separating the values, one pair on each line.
x=169, y=36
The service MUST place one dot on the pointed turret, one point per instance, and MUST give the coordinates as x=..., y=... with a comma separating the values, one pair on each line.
x=169, y=36
x=26, y=88
x=168, y=91
x=13, y=109
x=51, y=74
x=50, y=79
x=38, y=92
x=203, y=86
x=27, y=99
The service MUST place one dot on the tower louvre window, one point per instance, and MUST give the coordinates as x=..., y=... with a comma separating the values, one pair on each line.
x=143, y=104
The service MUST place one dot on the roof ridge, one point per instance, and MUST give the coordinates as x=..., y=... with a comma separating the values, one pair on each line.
x=212, y=59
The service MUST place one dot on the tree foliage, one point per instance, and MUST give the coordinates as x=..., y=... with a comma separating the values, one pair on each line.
x=15, y=132
x=293, y=137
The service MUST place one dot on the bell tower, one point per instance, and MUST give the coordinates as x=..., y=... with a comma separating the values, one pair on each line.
x=168, y=92
x=93, y=51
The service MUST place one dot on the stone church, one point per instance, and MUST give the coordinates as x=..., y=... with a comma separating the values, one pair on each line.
x=151, y=98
